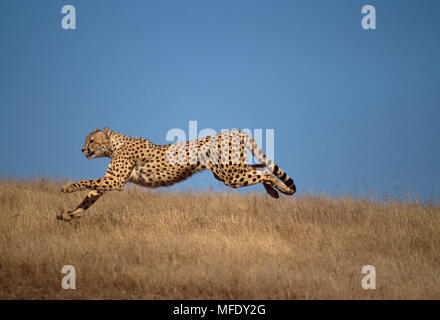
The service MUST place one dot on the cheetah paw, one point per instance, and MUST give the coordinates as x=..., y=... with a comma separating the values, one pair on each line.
x=67, y=188
x=65, y=216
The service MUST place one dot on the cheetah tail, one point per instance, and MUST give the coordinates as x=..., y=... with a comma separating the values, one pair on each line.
x=252, y=146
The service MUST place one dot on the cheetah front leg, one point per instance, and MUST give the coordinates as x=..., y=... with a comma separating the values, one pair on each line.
x=114, y=180
x=88, y=201
x=107, y=183
x=81, y=185
x=102, y=184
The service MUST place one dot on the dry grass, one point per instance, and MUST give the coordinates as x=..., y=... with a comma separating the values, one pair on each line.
x=159, y=245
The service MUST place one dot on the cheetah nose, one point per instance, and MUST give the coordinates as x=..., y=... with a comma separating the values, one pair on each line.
x=82, y=149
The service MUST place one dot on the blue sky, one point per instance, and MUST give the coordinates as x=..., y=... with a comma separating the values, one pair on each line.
x=349, y=107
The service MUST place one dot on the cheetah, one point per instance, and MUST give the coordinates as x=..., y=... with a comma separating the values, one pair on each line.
x=140, y=161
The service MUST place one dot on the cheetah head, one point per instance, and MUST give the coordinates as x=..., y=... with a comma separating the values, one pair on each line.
x=97, y=144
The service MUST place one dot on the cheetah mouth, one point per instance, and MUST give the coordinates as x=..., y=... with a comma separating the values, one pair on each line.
x=90, y=155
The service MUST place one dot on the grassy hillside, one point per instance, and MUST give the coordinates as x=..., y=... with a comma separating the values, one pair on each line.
x=157, y=245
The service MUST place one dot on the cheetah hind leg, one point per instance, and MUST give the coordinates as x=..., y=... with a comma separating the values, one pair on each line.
x=274, y=182
x=270, y=190
x=251, y=176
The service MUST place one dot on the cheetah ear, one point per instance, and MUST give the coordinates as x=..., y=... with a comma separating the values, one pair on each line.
x=96, y=130
x=107, y=131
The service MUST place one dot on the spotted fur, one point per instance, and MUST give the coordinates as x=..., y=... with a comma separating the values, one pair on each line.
x=142, y=162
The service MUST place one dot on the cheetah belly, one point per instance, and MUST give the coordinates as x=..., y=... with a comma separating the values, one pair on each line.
x=147, y=177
